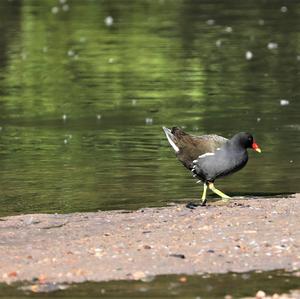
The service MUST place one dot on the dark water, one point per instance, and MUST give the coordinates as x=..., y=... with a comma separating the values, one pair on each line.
x=172, y=286
x=85, y=87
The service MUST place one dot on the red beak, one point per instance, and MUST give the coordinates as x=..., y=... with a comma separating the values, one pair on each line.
x=256, y=147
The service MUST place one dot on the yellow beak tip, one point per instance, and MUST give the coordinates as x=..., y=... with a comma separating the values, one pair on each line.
x=258, y=150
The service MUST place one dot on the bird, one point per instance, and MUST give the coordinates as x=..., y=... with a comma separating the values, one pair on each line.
x=210, y=157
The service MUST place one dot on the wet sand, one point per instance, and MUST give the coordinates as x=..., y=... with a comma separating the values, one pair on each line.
x=244, y=235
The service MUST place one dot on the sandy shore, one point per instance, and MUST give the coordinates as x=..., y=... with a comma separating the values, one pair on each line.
x=253, y=234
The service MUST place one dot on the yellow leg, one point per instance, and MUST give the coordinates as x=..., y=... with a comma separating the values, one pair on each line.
x=203, y=198
x=218, y=192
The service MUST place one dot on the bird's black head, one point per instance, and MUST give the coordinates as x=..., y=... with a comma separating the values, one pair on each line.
x=245, y=140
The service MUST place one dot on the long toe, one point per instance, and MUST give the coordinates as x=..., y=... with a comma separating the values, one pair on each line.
x=226, y=199
x=203, y=203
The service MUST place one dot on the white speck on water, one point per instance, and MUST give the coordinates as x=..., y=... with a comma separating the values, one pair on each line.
x=149, y=121
x=71, y=53
x=228, y=29
x=65, y=141
x=219, y=43
x=249, y=55
x=1, y=129
x=109, y=21
x=64, y=117
x=210, y=22
x=291, y=161
x=133, y=102
x=261, y=22
x=298, y=57
x=283, y=9
x=55, y=10
x=45, y=49
x=111, y=60
x=82, y=39
x=99, y=116
x=65, y=7
x=62, y=1
x=258, y=119
x=284, y=102
x=24, y=56
x=272, y=45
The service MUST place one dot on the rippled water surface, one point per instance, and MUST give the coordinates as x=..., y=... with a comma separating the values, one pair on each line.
x=170, y=286
x=85, y=87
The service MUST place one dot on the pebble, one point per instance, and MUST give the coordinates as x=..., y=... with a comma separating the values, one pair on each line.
x=260, y=294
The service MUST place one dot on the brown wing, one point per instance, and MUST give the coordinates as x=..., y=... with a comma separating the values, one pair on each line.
x=191, y=147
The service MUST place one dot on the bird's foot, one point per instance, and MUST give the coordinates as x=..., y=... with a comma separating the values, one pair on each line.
x=203, y=202
x=226, y=199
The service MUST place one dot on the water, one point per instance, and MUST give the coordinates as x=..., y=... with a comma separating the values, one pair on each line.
x=85, y=87
x=175, y=286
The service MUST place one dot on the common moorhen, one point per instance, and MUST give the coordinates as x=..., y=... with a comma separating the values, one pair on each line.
x=210, y=157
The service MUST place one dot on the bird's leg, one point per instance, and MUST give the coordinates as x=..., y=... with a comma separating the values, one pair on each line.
x=218, y=192
x=203, y=198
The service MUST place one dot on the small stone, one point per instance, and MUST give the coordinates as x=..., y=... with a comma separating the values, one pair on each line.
x=138, y=275
x=182, y=279
x=260, y=294
x=178, y=255
x=12, y=274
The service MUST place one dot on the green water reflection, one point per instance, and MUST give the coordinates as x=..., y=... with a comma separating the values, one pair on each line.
x=208, y=286
x=82, y=101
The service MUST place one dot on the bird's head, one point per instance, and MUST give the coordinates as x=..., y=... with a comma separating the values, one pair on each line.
x=246, y=140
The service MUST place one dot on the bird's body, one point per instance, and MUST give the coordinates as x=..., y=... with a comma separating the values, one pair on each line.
x=211, y=156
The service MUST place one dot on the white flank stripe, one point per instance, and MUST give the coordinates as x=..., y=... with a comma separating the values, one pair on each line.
x=206, y=155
